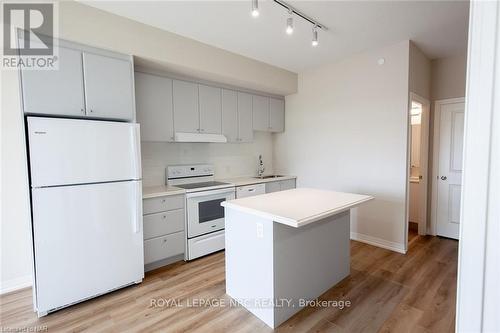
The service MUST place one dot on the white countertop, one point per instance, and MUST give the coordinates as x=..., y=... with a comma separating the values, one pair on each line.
x=297, y=207
x=242, y=181
x=164, y=190
x=160, y=191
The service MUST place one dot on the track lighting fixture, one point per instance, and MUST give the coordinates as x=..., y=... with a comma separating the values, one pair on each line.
x=255, y=8
x=289, y=21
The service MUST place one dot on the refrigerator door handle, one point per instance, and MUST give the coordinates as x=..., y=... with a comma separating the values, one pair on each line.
x=138, y=207
x=137, y=149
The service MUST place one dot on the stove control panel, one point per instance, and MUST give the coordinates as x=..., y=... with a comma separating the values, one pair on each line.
x=188, y=171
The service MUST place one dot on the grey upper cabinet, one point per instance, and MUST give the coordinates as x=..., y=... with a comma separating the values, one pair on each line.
x=57, y=92
x=260, y=109
x=230, y=115
x=276, y=115
x=210, y=109
x=109, y=87
x=186, y=111
x=153, y=96
x=245, y=121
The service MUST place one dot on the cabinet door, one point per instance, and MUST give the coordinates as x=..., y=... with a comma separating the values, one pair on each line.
x=287, y=184
x=186, y=111
x=153, y=95
x=230, y=115
x=245, y=122
x=109, y=87
x=260, y=110
x=276, y=115
x=210, y=109
x=273, y=187
x=57, y=92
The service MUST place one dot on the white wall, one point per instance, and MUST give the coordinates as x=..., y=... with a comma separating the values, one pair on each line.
x=87, y=25
x=448, y=77
x=230, y=159
x=346, y=129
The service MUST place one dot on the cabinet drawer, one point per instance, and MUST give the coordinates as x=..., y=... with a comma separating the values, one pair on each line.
x=161, y=204
x=164, y=223
x=163, y=247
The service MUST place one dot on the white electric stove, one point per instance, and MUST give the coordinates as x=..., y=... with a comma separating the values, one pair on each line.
x=204, y=213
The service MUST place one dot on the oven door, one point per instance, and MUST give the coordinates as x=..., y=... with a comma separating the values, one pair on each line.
x=204, y=211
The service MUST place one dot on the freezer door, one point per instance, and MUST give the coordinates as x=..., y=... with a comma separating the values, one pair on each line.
x=88, y=240
x=76, y=151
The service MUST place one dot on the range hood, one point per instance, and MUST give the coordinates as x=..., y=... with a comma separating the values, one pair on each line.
x=199, y=137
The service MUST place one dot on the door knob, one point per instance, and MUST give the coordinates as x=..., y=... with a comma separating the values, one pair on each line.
x=444, y=177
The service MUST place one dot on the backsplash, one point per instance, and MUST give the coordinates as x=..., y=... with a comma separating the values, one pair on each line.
x=229, y=159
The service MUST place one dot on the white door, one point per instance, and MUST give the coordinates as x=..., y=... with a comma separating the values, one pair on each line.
x=88, y=240
x=260, y=110
x=449, y=178
x=109, y=87
x=186, y=107
x=56, y=92
x=230, y=115
x=77, y=151
x=153, y=96
x=245, y=122
x=210, y=109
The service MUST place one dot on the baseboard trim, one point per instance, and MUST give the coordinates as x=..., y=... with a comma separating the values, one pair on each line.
x=379, y=242
x=15, y=284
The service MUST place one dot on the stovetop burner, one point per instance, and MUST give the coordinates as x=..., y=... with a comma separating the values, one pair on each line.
x=200, y=185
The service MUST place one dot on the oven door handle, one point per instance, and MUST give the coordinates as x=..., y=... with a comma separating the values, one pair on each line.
x=212, y=192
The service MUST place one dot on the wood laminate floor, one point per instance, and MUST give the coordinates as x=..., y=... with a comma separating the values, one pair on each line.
x=389, y=292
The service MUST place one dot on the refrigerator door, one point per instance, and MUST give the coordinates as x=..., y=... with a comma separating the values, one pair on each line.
x=76, y=151
x=88, y=240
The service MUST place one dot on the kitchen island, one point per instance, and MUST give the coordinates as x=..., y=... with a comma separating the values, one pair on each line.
x=286, y=248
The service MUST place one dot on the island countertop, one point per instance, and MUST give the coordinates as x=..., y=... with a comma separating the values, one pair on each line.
x=297, y=207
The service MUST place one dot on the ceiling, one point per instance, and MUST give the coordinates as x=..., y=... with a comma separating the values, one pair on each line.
x=439, y=28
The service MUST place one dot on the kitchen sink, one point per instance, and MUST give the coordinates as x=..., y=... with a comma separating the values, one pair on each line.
x=269, y=176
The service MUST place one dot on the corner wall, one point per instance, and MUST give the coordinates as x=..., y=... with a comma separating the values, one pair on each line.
x=347, y=130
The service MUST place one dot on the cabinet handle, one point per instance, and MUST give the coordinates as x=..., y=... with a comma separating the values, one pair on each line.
x=444, y=177
x=82, y=110
x=92, y=110
x=201, y=129
x=164, y=216
x=164, y=240
x=163, y=200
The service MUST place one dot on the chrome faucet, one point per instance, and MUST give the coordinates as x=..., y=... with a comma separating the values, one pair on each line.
x=261, y=167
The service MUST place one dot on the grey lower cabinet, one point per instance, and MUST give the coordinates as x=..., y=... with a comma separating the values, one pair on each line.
x=89, y=83
x=163, y=222
x=281, y=185
x=237, y=116
x=153, y=95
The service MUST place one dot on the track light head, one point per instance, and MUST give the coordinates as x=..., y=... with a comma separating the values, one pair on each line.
x=255, y=8
x=315, y=37
x=289, y=25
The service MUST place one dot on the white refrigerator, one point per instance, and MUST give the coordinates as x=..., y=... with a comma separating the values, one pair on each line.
x=86, y=198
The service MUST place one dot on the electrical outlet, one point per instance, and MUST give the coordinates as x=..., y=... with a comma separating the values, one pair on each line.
x=260, y=230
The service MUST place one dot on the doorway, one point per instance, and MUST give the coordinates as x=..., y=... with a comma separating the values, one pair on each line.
x=418, y=145
x=447, y=167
